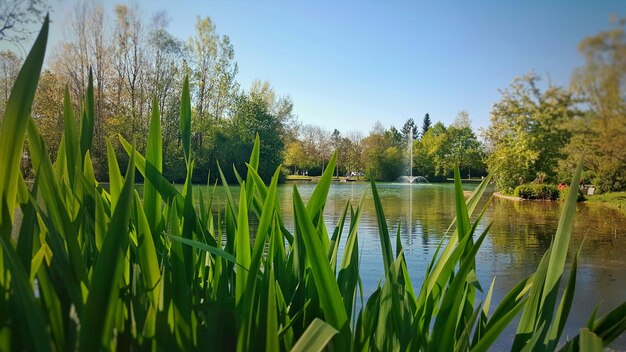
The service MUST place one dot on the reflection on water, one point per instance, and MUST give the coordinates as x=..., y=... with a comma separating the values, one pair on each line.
x=520, y=234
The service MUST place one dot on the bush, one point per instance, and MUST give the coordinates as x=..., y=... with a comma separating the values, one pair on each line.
x=537, y=191
x=612, y=181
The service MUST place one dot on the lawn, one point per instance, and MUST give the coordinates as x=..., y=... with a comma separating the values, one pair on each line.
x=616, y=200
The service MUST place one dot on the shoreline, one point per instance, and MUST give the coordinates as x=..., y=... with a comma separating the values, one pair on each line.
x=500, y=195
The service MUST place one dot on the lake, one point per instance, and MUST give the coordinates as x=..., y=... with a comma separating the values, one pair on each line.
x=520, y=234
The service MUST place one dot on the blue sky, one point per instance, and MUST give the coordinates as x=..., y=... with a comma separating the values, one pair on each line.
x=347, y=64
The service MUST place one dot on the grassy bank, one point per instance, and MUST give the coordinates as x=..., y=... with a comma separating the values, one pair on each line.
x=615, y=200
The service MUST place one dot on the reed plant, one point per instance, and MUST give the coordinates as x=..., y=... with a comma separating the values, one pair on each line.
x=105, y=269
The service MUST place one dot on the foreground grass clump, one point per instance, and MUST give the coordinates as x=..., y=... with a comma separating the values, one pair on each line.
x=94, y=269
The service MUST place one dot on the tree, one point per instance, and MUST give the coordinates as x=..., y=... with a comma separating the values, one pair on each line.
x=223, y=83
x=166, y=75
x=409, y=127
x=48, y=111
x=437, y=146
x=382, y=157
x=252, y=117
x=335, y=140
x=464, y=149
x=9, y=67
x=395, y=138
x=294, y=156
x=527, y=135
x=354, y=151
x=462, y=120
x=203, y=49
x=316, y=143
x=17, y=18
x=600, y=134
x=426, y=124
x=422, y=161
x=132, y=62
x=86, y=48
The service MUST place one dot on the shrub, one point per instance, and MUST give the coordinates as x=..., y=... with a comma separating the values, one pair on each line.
x=537, y=191
x=612, y=181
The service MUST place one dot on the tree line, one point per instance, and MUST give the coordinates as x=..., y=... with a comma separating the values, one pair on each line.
x=134, y=59
x=537, y=133
x=540, y=135
x=384, y=153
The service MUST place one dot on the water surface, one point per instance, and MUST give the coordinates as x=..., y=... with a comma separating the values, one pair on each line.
x=521, y=232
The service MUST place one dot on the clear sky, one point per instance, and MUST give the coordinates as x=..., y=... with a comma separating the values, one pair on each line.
x=347, y=64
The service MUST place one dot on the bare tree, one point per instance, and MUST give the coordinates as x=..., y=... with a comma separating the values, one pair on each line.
x=86, y=49
x=18, y=19
x=131, y=64
x=9, y=67
x=203, y=49
x=166, y=59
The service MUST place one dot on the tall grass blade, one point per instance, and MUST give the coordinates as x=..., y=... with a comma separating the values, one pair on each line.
x=383, y=230
x=538, y=315
x=185, y=120
x=243, y=255
x=315, y=337
x=88, y=121
x=116, y=181
x=98, y=316
x=15, y=121
x=205, y=247
x=61, y=226
x=271, y=336
x=446, y=325
x=327, y=288
x=565, y=305
x=154, y=156
x=590, y=342
x=28, y=314
x=147, y=254
x=163, y=186
x=316, y=203
x=70, y=136
x=27, y=231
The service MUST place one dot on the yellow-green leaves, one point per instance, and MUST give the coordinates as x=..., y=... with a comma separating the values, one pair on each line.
x=98, y=316
x=185, y=120
x=88, y=120
x=327, y=288
x=154, y=156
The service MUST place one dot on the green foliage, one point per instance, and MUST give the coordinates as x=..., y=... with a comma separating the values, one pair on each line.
x=598, y=135
x=426, y=124
x=537, y=191
x=528, y=133
x=441, y=148
x=581, y=195
x=615, y=200
x=410, y=129
x=98, y=269
x=612, y=180
x=383, y=155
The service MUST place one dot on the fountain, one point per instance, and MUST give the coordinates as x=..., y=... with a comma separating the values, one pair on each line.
x=410, y=178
